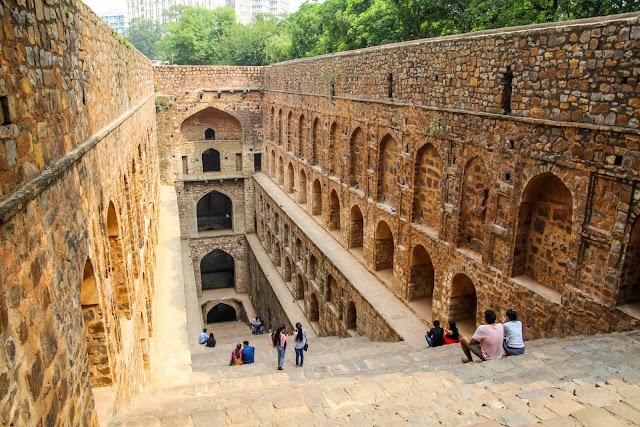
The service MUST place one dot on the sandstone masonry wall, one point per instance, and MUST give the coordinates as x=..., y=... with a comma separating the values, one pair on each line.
x=527, y=205
x=87, y=216
x=174, y=79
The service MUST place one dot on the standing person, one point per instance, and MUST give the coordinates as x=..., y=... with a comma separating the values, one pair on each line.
x=254, y=326
x=513, y=343
x=435, y=337
x=451, y=335
x=211, y=341
x=486, y=343
x=203, y=336
x=260, y=326
x=248, y=352
x=279, y=340
x=300, y=344
x=236, y=356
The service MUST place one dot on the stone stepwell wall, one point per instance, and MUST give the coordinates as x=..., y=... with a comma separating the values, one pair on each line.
x=174, y=79
x=580, y=71
x=87, y=215
x=65, y=75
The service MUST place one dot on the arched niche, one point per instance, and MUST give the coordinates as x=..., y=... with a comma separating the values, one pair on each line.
x=427, y=187
x=388, y=171
x=222, y=313
x=227, y=127
x=302, y=187
x=214, y=212
x=384, y=248
x=334, y=211
x=356, y=229
x=463, y=301
x=316, y=198
x=543, y=232
x=217, y=270
x=357, y=159
x=421, y=275
x=211, y=160
x=473, y=205
x=117, y=266
x=314, y=312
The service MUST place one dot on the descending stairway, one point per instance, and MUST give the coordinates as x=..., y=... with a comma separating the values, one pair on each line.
x=573, y=381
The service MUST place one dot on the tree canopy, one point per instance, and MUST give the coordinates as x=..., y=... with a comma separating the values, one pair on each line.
x=200, y=36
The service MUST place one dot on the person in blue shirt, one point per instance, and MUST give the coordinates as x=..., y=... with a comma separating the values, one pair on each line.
x=203, y=336
x=247, y=352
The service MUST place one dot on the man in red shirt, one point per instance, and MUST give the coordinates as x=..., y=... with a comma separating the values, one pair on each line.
x=486, y=343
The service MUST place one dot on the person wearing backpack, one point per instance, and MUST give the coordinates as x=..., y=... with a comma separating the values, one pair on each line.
x=279, y=340
x=300, y=344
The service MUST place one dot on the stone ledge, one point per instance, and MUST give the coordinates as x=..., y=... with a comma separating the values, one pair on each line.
x=28, y=191
x=538, y=288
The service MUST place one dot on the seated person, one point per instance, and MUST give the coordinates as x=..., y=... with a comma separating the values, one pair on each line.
x=486, y=342
x=236, y=356
x=435, y=337
x=513, y=343
x=203, y=336
x=211, y=341
x=451, y=335
x=248, y=352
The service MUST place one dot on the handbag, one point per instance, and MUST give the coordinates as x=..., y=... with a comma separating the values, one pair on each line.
x=306, y=346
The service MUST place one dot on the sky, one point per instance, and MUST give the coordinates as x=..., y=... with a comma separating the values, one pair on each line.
x=100, y=6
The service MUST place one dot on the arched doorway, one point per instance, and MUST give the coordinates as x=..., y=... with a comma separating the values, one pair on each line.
x=473, y=208
x=301, y=137
x=330, y=289
x=316, y=198
x=280, y=171
x=117, y=263
x=629, y=289
x=357, y=164
x=426, y=187
x=421, y=276
x=314, y=312
x=277, y=255
x=211, y=160
x=313, y=157
x=384, y=247
x=388, y=171
x=280, y=127
x=290, y=131
x=299, y=287
x=302, y=187
x=463, y=302
x=334, y=211
x=217, y=270
x=214, y=212
x=209, y=134
x=352, y=319
x=313, y=266
x=543, y=233
x=356, y=230
x=287, y=269
x=290, y=180
x=94, y=330
x=333, y=149
x=222, y=313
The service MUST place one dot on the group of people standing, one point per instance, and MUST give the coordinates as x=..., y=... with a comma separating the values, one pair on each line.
x=489, y=342
x=300, y=344
x=257, y=326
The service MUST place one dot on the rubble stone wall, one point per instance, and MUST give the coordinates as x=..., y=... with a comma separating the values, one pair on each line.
x=65, y=78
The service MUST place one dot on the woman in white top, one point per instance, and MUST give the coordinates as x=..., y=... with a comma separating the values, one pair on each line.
x=513, y=343
x=300, y=343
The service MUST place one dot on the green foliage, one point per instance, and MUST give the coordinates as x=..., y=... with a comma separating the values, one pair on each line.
x=144, y=34
x=199, y=36
x=194, y=38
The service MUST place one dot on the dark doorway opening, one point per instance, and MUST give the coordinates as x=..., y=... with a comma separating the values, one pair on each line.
x=214, y=211
x=221, y=313
x=217, y=270
x=211, y=160
x=209, y=134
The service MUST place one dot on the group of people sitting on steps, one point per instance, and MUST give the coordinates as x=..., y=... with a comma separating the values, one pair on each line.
x=243, y=354
x=490, y=341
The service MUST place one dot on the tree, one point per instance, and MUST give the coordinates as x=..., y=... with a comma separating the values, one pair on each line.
x=247, y=44
x=194, y=38
x=144, y=34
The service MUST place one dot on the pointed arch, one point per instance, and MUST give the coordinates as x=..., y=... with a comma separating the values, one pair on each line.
x=473, y=205
x=217, y=270
x=299, y=287
x=290, y=131
x=334, y=211
x=333, y=149
x=314, y=312
x=543, y=232
x=99, y=366
x=316, y=198
x=216, y=123
x=280, y=127
x=280, y=171
x=209, y=134
x=313, y=157
x=384, y=248
x=463, y=301
x=357, y=159
x=301, y=137
x=214, y=211
x=352, y=318
x=117, y=266
x=427, y=192
x=388, y=171
x=302, y=187
x=356, y=228
x=421, y=275
x=289, y=182
x=211, y=160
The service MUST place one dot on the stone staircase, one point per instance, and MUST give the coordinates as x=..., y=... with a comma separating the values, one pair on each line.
x=573, y=381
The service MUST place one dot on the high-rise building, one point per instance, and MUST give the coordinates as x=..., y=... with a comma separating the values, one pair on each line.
x=242, y=8
x=154, y=9
x=118, y=20
x=274, y=7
